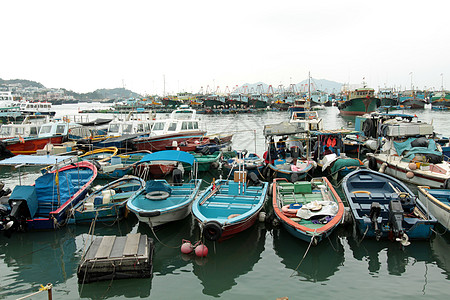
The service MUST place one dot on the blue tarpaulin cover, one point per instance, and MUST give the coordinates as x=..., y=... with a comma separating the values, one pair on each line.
x=405, y=149
x=169, y=155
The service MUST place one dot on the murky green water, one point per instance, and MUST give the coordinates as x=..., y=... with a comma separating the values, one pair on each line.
x=261, y=263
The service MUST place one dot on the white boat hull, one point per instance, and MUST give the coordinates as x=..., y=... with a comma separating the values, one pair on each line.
x=400, y=169
x=439, y=210
x=167, y=216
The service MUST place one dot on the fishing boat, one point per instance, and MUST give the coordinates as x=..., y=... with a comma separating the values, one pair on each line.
x=99, y=155
x=119, y=165
x=182, y=125
x=309, y=210
x=437, y=202
x=47, y=204
x=228, y=207
x=384, y=207
x=410, y=153
x=387, y=97
x=109, y=202
x=358, y=102
x=252, y=163
x=54, y=132
x=412, y=99
x=162, y=202
x=441, y=99
x=205, y=162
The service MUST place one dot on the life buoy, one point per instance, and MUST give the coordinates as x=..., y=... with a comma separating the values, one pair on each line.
x=212, y=231
x=291, y=211
x=157, y=195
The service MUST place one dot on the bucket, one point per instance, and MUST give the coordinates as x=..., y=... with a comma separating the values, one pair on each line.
x=116, y=160
x=89, y=206
x=107, y=194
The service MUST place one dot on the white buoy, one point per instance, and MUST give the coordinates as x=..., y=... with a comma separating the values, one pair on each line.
x=262, y=216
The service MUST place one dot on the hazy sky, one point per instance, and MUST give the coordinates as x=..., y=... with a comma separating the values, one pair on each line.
x=85, y=45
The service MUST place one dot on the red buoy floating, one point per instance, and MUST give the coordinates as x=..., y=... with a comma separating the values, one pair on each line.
x=201, y=250
x=186, y=247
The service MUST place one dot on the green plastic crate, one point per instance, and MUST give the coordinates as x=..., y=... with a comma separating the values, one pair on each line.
x=302, y=187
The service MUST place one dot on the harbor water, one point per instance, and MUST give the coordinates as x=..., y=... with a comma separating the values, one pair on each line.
x=264, y=262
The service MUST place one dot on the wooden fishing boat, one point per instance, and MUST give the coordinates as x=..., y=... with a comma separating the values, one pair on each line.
x=384, y=207
x=47, y=203
x=162, y=202
x=100, y=155
x=109, y=202
x=205, y=162
x=309, y=211
x=120, y=165
x=438, y=203
x=252, y=163
x=228, y=207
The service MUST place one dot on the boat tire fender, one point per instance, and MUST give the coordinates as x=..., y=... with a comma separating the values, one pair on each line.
x=212, y=230
x=157, y=195
x=149, y=214
x=96, y=164
x=373, y=164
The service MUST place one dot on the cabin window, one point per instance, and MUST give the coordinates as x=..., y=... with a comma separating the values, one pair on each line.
x=146, y=127
x=127, y=128
x=46, y=129
x=140, y=128
x=184, y=126
x=33, y=131
x=158, y=126
x=19, y=130
x=172, y=126
x=190, y=125
x=195, y=125
x=5, y=130
x=114, y=128
x=60, y=129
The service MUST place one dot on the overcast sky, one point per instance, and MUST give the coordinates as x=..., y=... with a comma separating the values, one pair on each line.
x=85, y=45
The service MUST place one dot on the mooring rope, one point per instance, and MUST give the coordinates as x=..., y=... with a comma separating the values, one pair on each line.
x=41, y=289
x=306, y=252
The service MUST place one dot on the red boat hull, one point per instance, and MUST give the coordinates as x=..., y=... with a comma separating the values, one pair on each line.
x=163, y=142
x=30, y=146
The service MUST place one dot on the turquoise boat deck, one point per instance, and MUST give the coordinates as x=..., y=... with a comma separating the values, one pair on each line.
x=228, y=202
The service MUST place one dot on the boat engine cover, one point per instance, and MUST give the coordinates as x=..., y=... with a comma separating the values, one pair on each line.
x=396, y=217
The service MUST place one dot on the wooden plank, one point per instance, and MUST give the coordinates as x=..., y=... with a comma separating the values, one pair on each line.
x=132, y=244
x=105, y=246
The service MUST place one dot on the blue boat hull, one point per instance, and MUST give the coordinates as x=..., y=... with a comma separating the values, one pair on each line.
x=364, y=187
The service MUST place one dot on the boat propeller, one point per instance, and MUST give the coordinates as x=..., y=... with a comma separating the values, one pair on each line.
x=404, y=240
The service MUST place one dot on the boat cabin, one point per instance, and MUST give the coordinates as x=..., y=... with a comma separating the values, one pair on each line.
x=56, y=128
x=306, y=120
x=181, y=120
x=120, y=128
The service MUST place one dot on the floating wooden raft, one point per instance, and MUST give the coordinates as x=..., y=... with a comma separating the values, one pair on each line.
x=113, y=257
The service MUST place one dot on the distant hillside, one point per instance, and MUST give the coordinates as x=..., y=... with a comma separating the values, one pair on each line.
x=316, y=84
x=117, y=93
x=23, y=82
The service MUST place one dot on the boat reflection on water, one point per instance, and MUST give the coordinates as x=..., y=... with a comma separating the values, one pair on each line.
x=320, y=263
x=397, y=259
x=167, y=257
x=229, y=260
x=439, y=246
x=37, y=258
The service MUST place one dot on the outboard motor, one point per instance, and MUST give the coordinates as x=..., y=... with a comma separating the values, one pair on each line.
x=396, y=218
x=254, y=180
x=375, y=211
x=177, y=177
x=19, y=213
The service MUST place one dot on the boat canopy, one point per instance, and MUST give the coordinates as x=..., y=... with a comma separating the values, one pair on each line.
x=35, y=160
x=169, y=155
